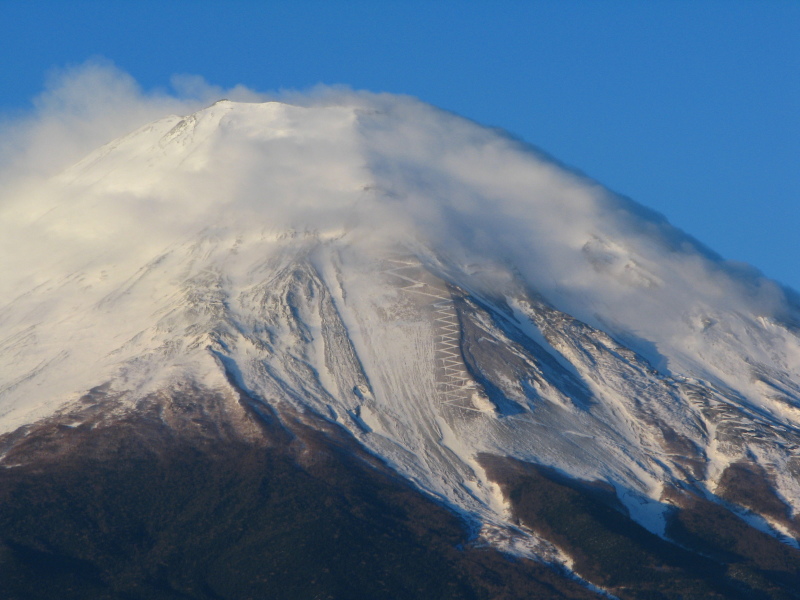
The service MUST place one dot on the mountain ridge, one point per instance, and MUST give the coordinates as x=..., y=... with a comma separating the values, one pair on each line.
x=426, y=286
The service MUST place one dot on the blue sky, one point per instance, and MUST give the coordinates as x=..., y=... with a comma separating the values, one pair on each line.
x=691, y=108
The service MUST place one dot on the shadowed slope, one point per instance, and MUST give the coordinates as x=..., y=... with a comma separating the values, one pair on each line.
x=716, y=556
x=263, y=509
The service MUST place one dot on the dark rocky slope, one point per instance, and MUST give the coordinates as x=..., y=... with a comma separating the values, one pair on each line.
x=195, y=496
x=714, y=553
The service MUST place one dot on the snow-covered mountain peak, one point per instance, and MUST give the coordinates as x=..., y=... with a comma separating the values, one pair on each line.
x=219, y=157
x=436, y=288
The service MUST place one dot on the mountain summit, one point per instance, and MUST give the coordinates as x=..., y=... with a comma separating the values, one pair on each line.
x=376, y=282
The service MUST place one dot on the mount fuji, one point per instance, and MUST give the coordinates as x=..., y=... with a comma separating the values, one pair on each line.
x=362, y=348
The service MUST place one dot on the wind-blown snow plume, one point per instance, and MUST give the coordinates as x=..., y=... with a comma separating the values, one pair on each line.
x=375, y=165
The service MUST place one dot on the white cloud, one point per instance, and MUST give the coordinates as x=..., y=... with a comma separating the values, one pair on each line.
x=385, y=167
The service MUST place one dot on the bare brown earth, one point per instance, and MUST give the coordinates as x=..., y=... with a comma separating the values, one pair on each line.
x=749, y=486
x=210, y=495
x=202, y=496
x=714, y=553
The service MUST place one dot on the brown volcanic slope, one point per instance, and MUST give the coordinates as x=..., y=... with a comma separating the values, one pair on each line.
x=197, y=496
x=206, y=496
